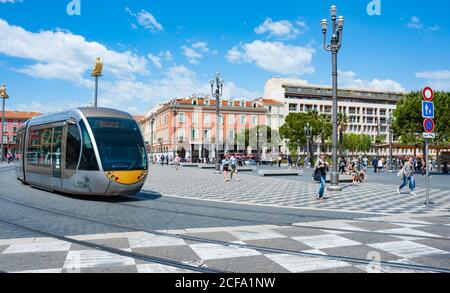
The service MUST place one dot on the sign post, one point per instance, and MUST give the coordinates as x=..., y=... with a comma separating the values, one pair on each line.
x=429, y=126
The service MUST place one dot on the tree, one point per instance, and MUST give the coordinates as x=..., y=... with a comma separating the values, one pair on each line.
x=408, y=121
x=357, y=142
x=295, y=123
x=267, y=137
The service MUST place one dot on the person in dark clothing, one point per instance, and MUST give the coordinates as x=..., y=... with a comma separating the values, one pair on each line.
x=321, y=167
x=375, y=164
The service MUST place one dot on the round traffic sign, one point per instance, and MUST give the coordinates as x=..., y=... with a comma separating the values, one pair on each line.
x=428, y=94
x=429, y=125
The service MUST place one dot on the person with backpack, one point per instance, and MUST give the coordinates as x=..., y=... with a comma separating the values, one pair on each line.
x=320, y=174
x=234, y=169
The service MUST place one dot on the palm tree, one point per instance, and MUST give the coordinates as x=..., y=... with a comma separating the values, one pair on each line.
x=342, y=125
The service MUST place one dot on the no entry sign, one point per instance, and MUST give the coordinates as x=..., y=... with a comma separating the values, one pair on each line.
x=428, y=94
x=429, y=125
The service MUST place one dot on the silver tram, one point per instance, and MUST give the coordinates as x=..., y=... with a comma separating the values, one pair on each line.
x=84, y=151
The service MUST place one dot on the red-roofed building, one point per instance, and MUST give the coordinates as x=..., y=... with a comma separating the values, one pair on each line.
x=192, y=131
x=13, y=120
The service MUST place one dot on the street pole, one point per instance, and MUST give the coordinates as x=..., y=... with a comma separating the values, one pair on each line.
x=152, y=122
x=428, y=173
x=3, y=96
x=97, y=72
x=336, y=43
x=96, y=92
x=218, y=82
x=3, y=119
x=175, y=113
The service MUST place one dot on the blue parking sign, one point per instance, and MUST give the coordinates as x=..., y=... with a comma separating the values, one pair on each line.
x=427, y=109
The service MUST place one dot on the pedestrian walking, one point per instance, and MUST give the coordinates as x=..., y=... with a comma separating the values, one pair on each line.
x=234, y=169
x=375, y=164
x=226, y=166
x=320, y=174
x=177, y=161
x=407, y=175
x=279, y=161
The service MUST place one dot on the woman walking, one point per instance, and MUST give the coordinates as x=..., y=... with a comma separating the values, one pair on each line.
x=226, y=166
x=407, y=175
x=320, y=169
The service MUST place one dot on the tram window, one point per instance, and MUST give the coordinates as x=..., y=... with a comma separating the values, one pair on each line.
x=39, y=148
x=73, y=147
x=88, y=160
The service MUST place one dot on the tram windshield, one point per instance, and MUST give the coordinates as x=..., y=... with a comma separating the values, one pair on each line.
x=119, y=143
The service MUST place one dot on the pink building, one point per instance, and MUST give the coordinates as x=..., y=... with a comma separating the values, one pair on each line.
x=13, y=120
x=189, y=127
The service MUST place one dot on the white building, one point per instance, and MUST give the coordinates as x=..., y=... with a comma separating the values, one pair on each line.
x=367, y=109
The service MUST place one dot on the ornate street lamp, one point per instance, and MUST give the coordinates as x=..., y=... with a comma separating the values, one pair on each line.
x=308, y=134
x=336, y=43
x=174, y=106
x=389, y=121
x=4, y=97
x=97, y=72
x=217, y=93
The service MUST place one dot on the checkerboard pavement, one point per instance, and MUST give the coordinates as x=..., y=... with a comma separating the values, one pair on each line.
x=418, y=240
x=272, y=191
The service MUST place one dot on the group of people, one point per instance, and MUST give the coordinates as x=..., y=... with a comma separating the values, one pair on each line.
x=356, y=168
x=9, y=157
x=230, y=165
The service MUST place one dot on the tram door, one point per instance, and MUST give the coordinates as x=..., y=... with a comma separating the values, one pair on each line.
x=56, y=156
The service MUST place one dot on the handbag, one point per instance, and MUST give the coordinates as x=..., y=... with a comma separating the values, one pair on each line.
x=400, y=173
x=317, y=175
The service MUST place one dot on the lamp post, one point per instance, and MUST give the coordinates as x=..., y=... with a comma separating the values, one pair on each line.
x=152, y=123
x=308, y=134
x=174, y=106
x=257, y=145
x=217, y=93
x=4, y=96
x=97, y=72
x=334, y=47
x=389, y=121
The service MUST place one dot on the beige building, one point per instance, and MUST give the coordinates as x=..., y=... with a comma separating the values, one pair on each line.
x=367, y=109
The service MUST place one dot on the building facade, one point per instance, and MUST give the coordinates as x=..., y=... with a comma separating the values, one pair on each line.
x=188, y=127
x=13, y=121
x=367, y=110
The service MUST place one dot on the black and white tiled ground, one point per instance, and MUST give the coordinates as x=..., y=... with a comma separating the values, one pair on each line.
x=273, y=191
x=406, y=239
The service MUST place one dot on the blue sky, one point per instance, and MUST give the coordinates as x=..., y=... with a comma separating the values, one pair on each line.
x=155, y=50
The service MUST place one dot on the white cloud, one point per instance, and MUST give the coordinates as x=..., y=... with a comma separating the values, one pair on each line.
x=11, y=1
x=146, y=20
x=416, y=23
x=63, y=55
x=283, y=29
x=125, y=85
x=439, y=80
x=348, y=79
x=274, y=57
x=196, y=52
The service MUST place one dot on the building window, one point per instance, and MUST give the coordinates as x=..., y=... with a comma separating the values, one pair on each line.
x=207, y=119
x=254, y=120
x=207, y=102
x=181, y=118
x=194, y=102
x=221, y=119
x=194, y=133
x=181, y=133
x=243, y=119
x=231, y=134
x=207, y=133
x=269, y=109
x=293, y=107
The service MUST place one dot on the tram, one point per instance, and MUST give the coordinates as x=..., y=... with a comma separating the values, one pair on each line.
x=84, y=151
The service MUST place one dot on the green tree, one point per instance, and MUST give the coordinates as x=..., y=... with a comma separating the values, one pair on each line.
x=295, y=123
x=357, y=142
x=342, y=125
x=408, y=121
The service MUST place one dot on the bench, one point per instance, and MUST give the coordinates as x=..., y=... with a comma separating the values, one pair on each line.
x=266, y=173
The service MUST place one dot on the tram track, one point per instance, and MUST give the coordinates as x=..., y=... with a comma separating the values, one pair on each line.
x=352, y=260
x=116, y=251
